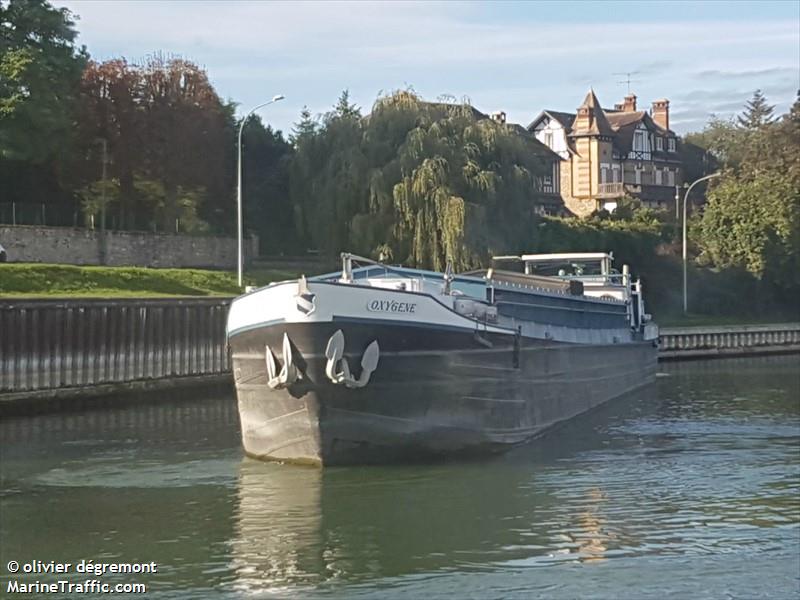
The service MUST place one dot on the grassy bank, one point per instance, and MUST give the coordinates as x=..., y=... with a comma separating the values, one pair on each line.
x=31, y=280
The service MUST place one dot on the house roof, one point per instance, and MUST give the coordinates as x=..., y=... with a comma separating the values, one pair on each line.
x=531, y=137
x=591, y=119
x=617, y=119
x=564, y=119
x=625, y=123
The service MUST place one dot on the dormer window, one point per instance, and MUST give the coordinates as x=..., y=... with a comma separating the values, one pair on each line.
x=659, y=143
x=671, y=144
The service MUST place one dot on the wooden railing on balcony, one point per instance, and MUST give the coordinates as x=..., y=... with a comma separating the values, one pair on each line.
x=610, y=190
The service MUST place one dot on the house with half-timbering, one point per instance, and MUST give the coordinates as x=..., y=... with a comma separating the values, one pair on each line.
x=607, y=154
x=548, y=182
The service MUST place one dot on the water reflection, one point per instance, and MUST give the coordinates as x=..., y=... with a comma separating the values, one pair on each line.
x=305, y=526
x=277, y=524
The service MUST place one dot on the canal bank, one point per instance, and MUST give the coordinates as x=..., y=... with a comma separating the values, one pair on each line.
x=59, y=354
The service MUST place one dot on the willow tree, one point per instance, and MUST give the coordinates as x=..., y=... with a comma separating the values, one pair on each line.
x=462, y=185
x=426, y=183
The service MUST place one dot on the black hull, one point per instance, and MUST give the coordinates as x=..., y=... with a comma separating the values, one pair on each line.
x=433, y=394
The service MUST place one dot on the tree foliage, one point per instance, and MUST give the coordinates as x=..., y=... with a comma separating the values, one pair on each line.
x=757, y=112
x=110, y=114
x=169, y=139
x=426, y=183
x=40, y=70
x=184, y=127
x=267, y=211
x=752, y=220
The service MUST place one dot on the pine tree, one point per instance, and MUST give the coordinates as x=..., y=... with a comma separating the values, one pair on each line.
x=756, y=112
x=305, y=127
x=344, y=109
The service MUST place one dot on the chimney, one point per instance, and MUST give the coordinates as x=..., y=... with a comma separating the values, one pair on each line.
x=618, y=106
x=629, y=103
x=499, y=117
x=660, y=113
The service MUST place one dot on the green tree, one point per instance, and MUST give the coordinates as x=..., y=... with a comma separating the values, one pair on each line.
x=425, y=183
x=757, y=112
x=40, y=73
x=265, y=187
x=304, y=128
x=722, y=138
x=752, y=221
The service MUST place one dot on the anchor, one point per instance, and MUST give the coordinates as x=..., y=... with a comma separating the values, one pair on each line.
x=288, y=373
x=334, y=352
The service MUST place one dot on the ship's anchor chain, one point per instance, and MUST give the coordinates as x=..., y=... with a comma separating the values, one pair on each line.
x=288, y=373
x=335, y=355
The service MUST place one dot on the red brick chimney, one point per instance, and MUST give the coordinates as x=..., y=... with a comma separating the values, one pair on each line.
x=660, y=113
x=629, y=103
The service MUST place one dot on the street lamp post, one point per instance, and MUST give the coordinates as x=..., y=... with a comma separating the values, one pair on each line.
x=240, y=231
x=685, y=198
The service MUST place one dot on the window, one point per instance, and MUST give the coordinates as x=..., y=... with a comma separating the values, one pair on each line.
x=658, y=175
x=671, y=142
x=548, y=139
x=638, y=176
x=556, y=186
x=638, y=141
x=670, y=177
x=659, y=143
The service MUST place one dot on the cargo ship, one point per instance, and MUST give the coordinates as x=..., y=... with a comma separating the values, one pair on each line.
x=381, y=363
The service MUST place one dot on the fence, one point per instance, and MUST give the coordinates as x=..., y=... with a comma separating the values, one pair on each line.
x=29, y=213
x=686, y=342
x=48, y=344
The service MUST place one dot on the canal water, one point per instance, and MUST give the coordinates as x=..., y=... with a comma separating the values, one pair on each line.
x=690, y=489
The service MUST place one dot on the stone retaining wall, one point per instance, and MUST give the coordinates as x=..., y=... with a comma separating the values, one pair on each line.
x=77, y=246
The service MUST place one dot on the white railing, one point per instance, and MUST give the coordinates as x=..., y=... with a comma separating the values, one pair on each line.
x=610, y=189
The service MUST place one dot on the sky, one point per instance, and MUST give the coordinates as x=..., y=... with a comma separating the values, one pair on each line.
x=519, y=57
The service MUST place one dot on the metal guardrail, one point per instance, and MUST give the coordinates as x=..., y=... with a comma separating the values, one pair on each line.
x=49, y=344
x=675, y=342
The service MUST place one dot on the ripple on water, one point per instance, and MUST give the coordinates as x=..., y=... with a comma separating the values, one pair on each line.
x=119, y=473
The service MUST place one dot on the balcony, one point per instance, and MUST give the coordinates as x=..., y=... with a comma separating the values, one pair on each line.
x=610, y=190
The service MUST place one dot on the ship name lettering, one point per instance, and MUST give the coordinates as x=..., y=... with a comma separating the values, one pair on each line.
x=391, y=306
